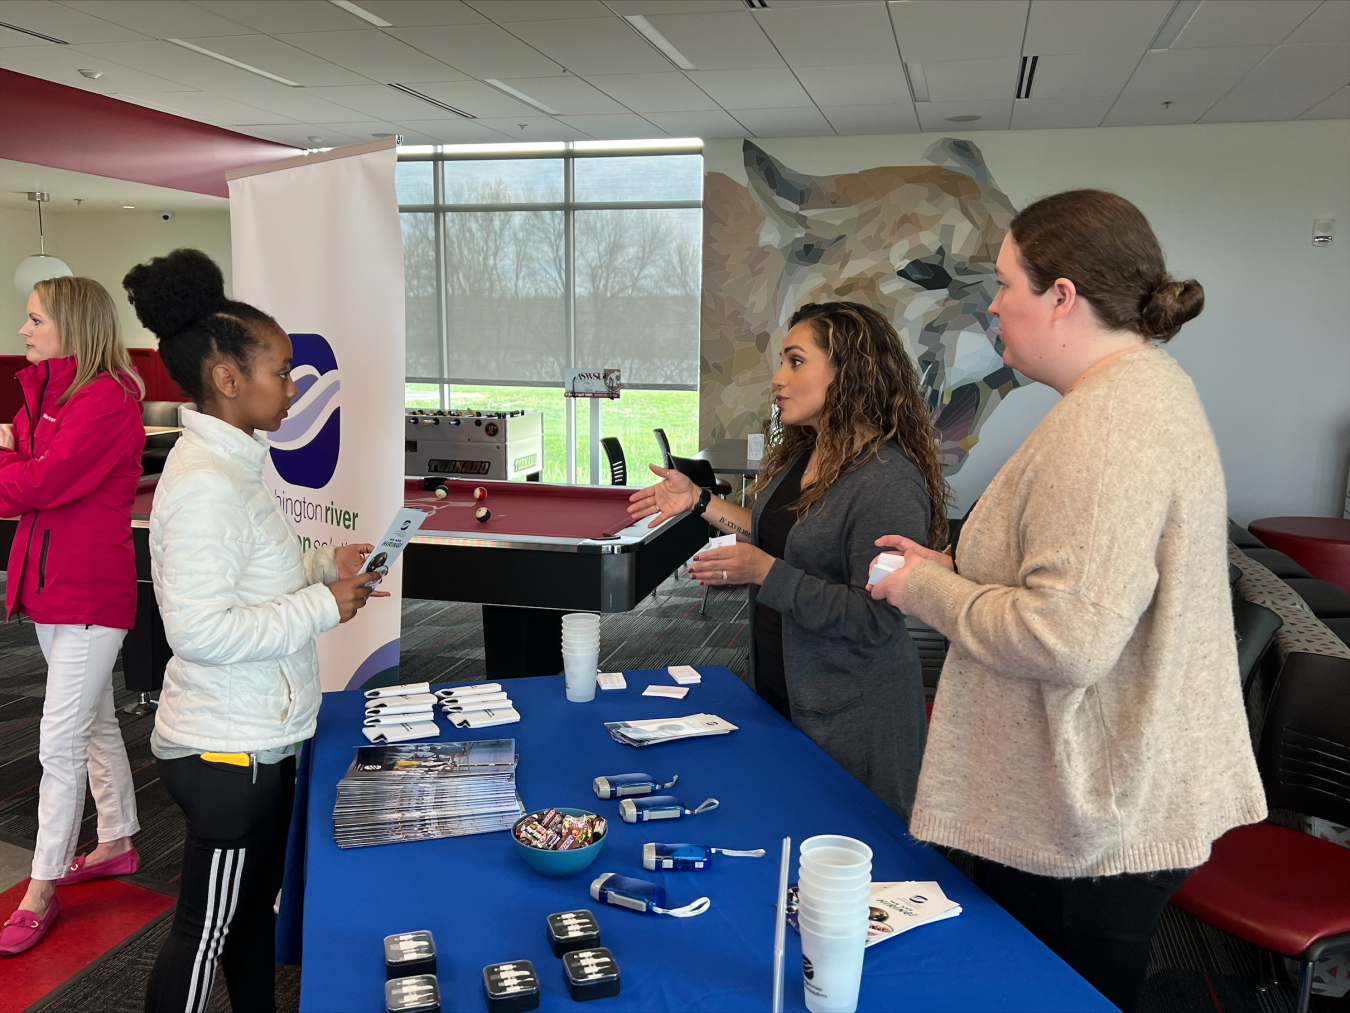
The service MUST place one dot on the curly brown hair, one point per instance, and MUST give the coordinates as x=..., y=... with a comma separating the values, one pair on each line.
x=876, y=398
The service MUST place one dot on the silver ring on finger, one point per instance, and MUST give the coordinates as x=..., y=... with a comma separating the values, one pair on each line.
x=724, y=574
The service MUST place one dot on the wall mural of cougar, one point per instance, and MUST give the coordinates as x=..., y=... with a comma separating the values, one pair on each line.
x=916, y=242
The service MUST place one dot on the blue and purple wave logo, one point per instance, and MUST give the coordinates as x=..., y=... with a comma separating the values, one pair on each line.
x=305, y=447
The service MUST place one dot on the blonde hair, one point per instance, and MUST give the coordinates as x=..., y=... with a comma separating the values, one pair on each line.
x=86, y=318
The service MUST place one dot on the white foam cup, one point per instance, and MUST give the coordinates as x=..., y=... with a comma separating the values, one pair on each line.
x=825, y=870
x=844, y=923
x=579, y=672
x=835, y=841
x=573, y=619
x=813, y=894
x=832, y=969
x=581, y=641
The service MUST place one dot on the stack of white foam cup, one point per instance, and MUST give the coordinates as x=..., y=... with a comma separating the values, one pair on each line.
x=834, y=888
x=581, y=654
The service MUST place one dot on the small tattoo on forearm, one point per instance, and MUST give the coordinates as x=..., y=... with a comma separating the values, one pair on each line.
x=735, y=527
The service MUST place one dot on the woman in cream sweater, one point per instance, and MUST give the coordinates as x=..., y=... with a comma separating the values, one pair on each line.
x=1088, y=741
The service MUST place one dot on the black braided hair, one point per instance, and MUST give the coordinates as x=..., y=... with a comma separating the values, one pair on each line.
x=181, y=299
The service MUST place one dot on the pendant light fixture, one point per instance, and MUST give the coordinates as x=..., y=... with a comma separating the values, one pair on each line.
x=40, y=266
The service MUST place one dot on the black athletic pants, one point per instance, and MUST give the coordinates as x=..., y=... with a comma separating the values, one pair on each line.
x=232, y=865
x=1100, y=926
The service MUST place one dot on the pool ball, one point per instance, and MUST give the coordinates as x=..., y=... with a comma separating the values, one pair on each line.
x=441, y=492
x=480, y=493
x=482, y=513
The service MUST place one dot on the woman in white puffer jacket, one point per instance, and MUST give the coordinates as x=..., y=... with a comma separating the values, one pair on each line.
x=242, y=609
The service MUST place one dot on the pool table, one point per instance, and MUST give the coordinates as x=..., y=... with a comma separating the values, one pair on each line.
x=546, y=550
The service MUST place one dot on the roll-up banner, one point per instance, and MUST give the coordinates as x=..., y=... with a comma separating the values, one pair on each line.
x=318, y=245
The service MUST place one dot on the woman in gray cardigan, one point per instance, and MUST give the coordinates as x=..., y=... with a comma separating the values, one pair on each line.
x=851, y=456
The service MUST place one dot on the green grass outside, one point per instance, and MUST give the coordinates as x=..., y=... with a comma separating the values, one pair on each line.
x=631, y=418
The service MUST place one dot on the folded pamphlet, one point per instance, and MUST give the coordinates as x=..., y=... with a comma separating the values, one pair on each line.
x=895, y=908
x=649, y=733
x=400, y=532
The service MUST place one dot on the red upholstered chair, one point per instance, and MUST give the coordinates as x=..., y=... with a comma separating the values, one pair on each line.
x=159, y=385
x=1287, y=891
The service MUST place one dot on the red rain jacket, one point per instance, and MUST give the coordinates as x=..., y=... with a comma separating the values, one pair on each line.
x=71, y=479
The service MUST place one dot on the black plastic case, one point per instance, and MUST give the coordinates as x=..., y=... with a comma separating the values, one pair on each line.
x=511, y=987
x=416, y=994
x=409, y=953
x=572, y=930
x=591, y=974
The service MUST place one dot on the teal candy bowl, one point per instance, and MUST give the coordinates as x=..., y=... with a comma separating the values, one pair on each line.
x=558, y=863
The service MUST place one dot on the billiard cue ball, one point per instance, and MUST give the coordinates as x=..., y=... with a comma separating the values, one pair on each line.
x=441, y=492
x=480, y=493
x=482, y=513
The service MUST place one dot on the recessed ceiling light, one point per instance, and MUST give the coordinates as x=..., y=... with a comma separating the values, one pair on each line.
x=361, y=13
x=93, y=75
x=128, y=207
x=649, y=32
x=967, y=118
x=520, y=95
x=1171, y=29
x=234, y=63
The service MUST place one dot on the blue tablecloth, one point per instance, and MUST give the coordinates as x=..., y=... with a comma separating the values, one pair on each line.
x=484, y=905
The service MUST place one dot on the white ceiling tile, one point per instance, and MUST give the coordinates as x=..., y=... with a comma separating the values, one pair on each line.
x=1336, y=107
x=1300, y=69
x=861, y=85
x=890, y=118
x=363, y=130
x=1093, y=26
x=650, y=93
x=592, y=46
x=570, y=96
x=62, y=64
x=373, y=54
x=160, y=19
x=708, y=123
x=784, y=122
x=63, y=23
x=1056, y=113
x=1254, y=106
x=614, y=127
x=276, y=16
x=962, y=80
x=1329, y=23
x=752, y=89
x=479, y=50
x=9, y=38
x=453, y=132
x=535, y=128
x=505, y=11
x=480, y=99
x=380, y=102
x=1243, y=23
x=730, y=41
x=1147, y=110
x=275, y=57
x=795, y=4
x=299, y=134
x=1193, y=70
x=424, y=13
x=970, y=30
x=1063, y=77
x=200, y=105
x=164, y=59
x=837, y=36
x=302, y=104
x=993, y=115
x=648, y=7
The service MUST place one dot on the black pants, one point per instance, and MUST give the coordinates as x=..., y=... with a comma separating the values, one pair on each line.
x=1100, y=926
x=232, y=865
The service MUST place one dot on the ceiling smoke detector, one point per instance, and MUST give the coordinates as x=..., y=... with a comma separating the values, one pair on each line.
x=93, y=75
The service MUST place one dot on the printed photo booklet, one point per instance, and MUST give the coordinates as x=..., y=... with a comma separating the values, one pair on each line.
x=390, y=547
x=896, y=908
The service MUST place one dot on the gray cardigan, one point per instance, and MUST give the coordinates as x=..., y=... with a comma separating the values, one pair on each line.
x=853, y=675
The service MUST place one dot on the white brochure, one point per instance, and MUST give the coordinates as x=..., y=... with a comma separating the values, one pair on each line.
x=399, y=534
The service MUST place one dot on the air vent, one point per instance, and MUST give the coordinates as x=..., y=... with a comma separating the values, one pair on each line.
x=436, y=102
x=36, y=35
x=756, y=5
x=1026, y=75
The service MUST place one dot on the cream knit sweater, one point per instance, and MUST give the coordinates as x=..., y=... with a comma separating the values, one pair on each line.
x=1089, y=720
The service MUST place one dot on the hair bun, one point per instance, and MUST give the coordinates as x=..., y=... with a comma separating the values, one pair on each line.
x=172, y=292
x=1171, y=305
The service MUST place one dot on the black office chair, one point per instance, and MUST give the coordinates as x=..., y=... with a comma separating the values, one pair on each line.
x=618, y=467
x=701, y=473
x=663, y=445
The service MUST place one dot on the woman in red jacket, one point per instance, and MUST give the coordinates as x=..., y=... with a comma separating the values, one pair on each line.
x=69, y=467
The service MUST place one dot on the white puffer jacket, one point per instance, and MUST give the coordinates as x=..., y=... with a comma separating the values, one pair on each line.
x=241, y=606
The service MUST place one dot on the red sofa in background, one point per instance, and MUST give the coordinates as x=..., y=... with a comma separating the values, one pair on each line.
x=159, y=386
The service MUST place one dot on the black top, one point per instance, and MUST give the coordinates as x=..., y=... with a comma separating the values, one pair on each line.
x=775, y=524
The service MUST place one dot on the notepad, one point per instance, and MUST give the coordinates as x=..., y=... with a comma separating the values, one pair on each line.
x=611, y=680
x=674, y=692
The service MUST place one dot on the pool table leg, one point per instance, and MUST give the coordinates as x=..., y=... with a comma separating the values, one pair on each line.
x=521, y=641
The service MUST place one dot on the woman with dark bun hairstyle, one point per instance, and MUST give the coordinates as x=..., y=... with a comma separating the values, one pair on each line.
x=242, y=608
x=1088, y=740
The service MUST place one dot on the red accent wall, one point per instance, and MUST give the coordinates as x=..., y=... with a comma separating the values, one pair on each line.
x=159, y=385
x=51, y=124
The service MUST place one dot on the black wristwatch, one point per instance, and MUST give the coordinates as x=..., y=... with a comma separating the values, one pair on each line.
x=703, y=502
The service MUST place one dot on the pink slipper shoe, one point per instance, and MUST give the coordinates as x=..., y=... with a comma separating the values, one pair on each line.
x=24, y=930
x=80, y=870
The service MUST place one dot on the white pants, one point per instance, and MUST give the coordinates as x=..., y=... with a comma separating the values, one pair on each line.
x=80, y=736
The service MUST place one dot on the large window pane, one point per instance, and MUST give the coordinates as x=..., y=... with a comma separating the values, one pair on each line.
x=548, y=400
x=638, y=275
x=412, y=180
x=419, y=293
x=504, y=274
x=505, y=181
x=644, y=177
x=632, y=417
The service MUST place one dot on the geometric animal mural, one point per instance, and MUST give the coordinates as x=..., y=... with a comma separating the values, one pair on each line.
x=918, y=243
